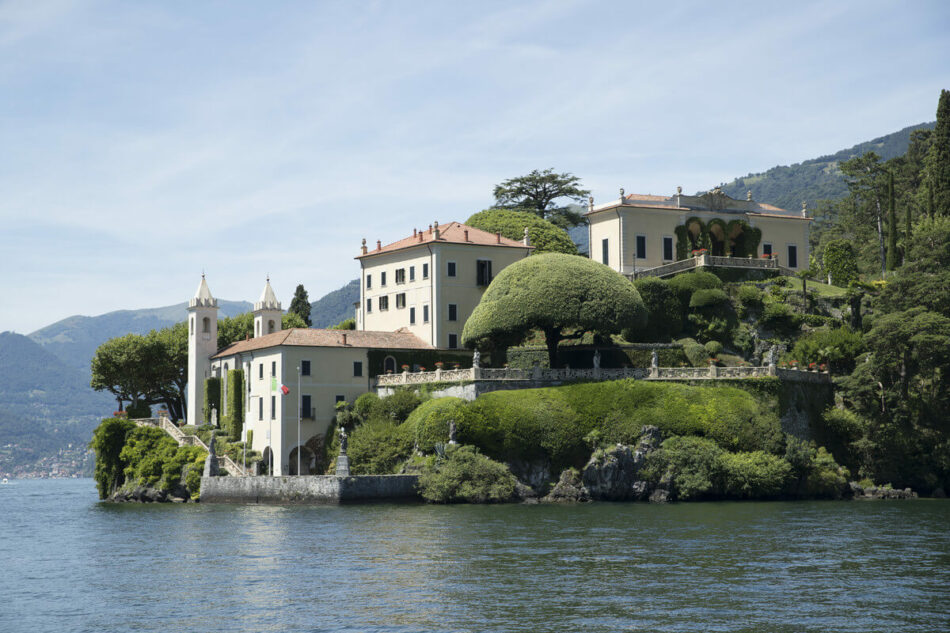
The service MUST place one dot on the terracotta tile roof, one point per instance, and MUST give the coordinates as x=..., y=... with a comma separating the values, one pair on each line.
x=451, y=233
x=305, y=337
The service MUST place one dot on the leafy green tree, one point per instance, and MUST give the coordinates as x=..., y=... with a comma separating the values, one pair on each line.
x=538, y=190
x=840, y=262
x=466, y=476
x=168, y=353
x=552, y=292
x=665, y=312
x=301, y=304
x=940, y=157
x=544, y=236
x=119, y=366
x=345, y=324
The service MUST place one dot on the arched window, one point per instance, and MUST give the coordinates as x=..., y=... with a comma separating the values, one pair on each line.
x=389, y=365
x=206, y=325
x=270, y=327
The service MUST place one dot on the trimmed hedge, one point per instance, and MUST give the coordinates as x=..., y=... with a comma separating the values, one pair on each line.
x=544, y=236
x=664, y=312
x=466, y=476
x=708, y=298
x=429, y=423
x=212, y=399
x=551, y=423
x=233, y=422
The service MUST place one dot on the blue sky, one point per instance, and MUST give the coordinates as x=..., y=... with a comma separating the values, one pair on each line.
x=141, y=143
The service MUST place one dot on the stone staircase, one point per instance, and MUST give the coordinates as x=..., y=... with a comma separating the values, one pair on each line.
x=224, y=462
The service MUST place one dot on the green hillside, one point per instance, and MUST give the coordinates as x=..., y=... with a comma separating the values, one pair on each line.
x=787, y=186
x=335, y=306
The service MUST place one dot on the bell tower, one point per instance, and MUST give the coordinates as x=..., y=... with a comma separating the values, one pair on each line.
x=267, y=312
x=202, y=344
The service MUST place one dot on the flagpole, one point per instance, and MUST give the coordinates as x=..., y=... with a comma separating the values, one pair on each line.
x=299, y=405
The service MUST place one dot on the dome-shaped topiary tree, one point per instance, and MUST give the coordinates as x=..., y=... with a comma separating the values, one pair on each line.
x=551, y=292
x=544, y=236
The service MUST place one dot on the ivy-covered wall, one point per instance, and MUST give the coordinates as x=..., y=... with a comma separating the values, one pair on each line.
x=212, y=398
x=418, y=358
x=234, y=420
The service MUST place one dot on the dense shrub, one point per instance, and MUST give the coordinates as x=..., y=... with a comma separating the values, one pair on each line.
x=107, y=441
x=749, y=296
x=840, y=262
x=664, y=311
x=378, y=447
x=779, y=318
x=708, y=297
x=713, y=348
x=743, y=338
x=814, y=471
x=544, y=236
x=138, y=410
x=695, y=353
x=838, y=348
x=398, y=406
x=753, y=475
x=366, y=406
x=711, y=314
x=689, y=464
x=233, y=422
x=212, y=399
x=466, y=476
x=429, y=423
x=685, y=284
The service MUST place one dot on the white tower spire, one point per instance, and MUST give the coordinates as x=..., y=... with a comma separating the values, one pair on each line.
x=202, y=344
x=267, y=312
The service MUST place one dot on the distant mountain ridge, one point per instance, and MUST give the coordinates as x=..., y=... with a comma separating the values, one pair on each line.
x=335, y=306
x=820, y=178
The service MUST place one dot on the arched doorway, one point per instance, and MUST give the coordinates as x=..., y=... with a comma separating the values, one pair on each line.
x=307, y=461
x=389, y=365
x=717, y=238
x=268, y=461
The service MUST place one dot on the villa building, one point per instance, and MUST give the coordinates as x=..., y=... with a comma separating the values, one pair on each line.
x=283, y=369
x=429, y=283
x=637, y=232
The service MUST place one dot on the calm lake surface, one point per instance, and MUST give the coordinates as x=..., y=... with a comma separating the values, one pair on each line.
x=70, y=563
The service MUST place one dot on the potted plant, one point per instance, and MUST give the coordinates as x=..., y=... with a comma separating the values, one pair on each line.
x=439, y=364
x=405, y=367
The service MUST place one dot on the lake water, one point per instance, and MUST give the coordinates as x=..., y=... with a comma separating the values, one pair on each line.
x=70, y=563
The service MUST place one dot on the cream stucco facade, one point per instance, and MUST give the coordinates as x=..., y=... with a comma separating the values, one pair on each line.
x=636, y=232
x=430, y=283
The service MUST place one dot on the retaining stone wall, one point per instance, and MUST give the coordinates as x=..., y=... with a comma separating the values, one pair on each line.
x=318, y=489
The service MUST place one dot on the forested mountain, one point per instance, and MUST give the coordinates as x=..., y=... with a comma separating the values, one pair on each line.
x=335, y=306
x=820, y=178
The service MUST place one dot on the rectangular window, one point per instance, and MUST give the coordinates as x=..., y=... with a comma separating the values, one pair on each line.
x=273, y=368
x=400, y=275
x=412, y=273
x=767, y=249
x=260, y=407
x=668, y=249
x=369, y=305
x=357, y=368
x=425, y=313
x=453, y=312
x=792, y=256
x=305, y=407
x=305, y=368
x=453, y=341
x=383, y=303
x=451, y=269
x=341, y=399
x=482, y=272
x=273, y=407
x=412, y=315
x=605, y=252
x=260, y=371
x=401, y=300
x=369, y=281
x=425, y=271
x=382, y=279
x=641, y=247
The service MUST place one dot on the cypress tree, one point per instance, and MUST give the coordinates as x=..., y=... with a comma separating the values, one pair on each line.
x=907, y=229
x=930, y=199
x=891, y=224
x=301, y=304
x=940, y=168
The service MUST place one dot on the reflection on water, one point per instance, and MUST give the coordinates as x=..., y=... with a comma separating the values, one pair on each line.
x=71, y=563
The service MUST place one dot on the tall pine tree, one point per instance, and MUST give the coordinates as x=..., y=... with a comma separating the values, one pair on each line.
x=891, y=224
x=301, y=304
x=940, y=159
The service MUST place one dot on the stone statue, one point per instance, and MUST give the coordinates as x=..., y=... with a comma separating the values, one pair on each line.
x=214, y=416
x=452, y=432
x=343, y=437
x=211, y=461
x=770, y=358
x=655, y=360
x=476, y=359
x=597, y=359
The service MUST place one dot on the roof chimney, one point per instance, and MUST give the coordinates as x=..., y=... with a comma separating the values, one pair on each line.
x=466, y=235
x=363, y=248
x=430, y=228
x=414, y=232
x=498, y=237
x=379, y=245
x=435, y=231
x=527, y=239
x=421, y=233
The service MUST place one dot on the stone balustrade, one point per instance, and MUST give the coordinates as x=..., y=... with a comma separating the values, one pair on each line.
x=705, y=259
x=569, y=374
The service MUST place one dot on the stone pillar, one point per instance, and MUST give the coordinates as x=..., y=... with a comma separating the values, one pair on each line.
x=713, y=370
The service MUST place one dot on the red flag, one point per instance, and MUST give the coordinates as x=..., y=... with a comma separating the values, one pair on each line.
x=284, y=389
